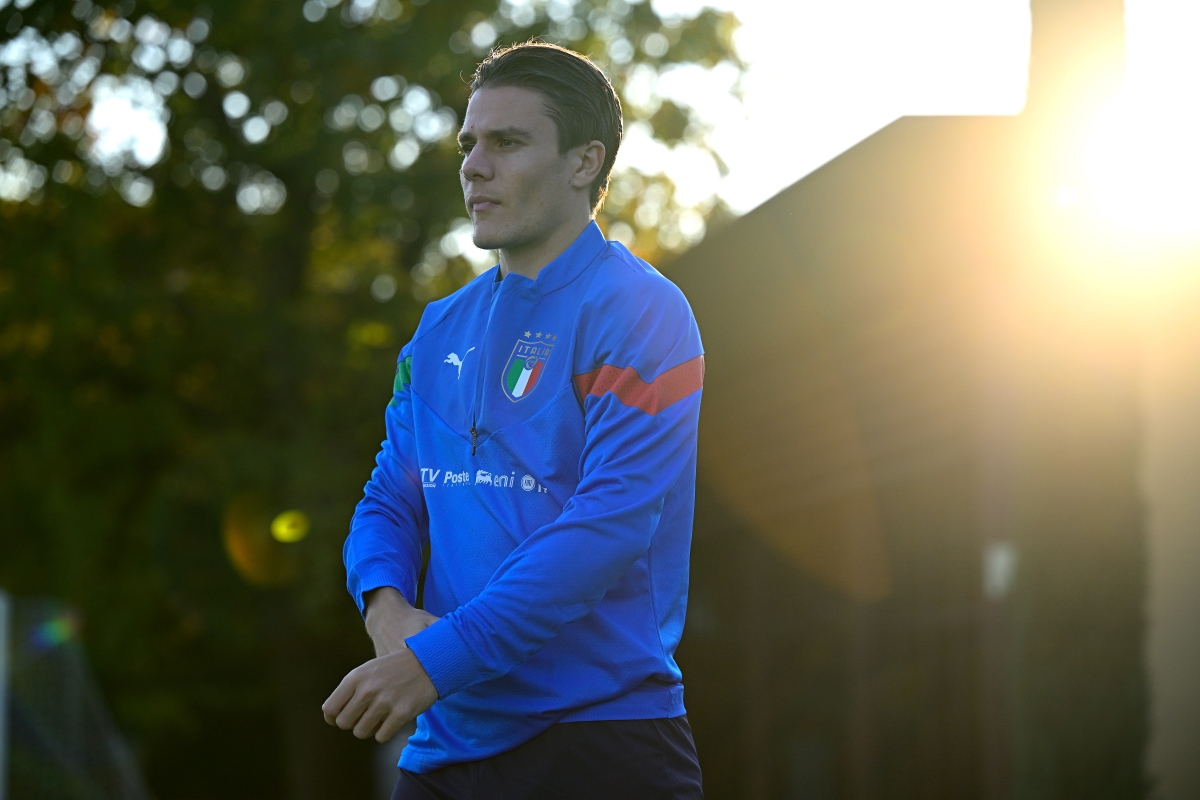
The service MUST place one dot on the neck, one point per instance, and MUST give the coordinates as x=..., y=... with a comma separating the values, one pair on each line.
x=528, y=260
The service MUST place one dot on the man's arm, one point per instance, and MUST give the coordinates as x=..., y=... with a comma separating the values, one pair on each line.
x=390, y=525
x=383, y=559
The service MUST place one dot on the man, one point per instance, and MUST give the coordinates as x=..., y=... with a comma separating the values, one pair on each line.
x=541, y=440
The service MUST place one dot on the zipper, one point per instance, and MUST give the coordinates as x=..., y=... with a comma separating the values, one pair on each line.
x=481, y=369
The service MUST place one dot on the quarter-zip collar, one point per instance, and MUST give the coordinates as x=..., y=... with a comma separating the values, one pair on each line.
x=555, y=275
x=569, y=263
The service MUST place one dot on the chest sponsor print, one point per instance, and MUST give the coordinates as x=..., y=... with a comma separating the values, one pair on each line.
x=524, y=368
x=433, y=478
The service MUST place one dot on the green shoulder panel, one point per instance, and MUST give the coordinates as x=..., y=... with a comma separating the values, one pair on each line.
x=403, y=375
x=403, y=378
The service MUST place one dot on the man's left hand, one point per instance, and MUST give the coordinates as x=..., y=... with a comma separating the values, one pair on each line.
x=381, y=696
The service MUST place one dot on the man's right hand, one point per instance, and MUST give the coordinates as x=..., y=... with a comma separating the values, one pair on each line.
x=390, y=620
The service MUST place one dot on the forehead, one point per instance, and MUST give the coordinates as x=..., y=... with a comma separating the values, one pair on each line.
x=507, y=107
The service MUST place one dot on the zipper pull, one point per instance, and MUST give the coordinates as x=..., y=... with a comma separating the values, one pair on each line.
x=473, y=434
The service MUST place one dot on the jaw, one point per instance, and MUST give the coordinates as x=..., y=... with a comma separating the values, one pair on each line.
x=509, y=228
x=491, y=231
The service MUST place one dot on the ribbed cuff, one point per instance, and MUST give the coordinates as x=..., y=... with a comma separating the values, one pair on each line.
x=375, y=573
x=446, y=658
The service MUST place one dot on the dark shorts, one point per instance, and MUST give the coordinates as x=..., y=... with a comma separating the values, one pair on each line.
x=641, y=759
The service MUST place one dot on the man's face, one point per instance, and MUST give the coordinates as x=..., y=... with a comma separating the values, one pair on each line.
x=517, y=186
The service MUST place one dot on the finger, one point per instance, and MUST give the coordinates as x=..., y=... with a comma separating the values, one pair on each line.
x=370, y=720
x=390, y=726
x=334, y=704
x=348, y=717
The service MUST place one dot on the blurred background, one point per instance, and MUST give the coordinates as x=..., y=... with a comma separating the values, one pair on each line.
x=946, y=261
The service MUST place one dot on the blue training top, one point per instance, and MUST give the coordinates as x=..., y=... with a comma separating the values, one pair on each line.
x=542, y=438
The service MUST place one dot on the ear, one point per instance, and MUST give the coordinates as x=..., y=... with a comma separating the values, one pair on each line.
x=590, y=161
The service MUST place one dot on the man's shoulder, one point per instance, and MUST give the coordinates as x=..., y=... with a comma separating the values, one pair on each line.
x=634, y=316
x=627, y=281
x=465, y=298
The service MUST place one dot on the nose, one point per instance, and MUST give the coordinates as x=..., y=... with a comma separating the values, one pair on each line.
x=475, y=165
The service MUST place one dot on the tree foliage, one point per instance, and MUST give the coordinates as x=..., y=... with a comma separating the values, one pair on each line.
x=217, y=225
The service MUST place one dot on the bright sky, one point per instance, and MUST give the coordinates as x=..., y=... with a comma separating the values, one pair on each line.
x=825, y=75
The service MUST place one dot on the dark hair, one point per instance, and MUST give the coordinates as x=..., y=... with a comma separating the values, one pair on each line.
x=579, y=97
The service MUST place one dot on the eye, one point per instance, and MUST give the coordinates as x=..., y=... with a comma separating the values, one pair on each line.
x=507, y=143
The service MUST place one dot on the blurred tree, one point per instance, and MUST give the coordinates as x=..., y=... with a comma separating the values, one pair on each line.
x=217, y=225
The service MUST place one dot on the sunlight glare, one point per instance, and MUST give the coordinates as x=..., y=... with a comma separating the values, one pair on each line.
x=1144, y=166
x=1143, y=160
x=127, y=120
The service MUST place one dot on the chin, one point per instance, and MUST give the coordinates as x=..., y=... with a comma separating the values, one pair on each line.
x=493, y=237
x=489, y=241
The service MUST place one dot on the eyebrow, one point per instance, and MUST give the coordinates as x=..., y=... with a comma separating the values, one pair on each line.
x=511, y=132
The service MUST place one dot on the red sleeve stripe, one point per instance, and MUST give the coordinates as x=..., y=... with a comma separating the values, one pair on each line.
x=669, y=387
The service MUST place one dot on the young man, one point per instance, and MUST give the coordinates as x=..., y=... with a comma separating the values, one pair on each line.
x=542, y=440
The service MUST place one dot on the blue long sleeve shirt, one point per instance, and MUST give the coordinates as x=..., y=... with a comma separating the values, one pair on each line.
x=541, y=438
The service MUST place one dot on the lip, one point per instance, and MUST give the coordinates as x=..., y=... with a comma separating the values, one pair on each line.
x=479, y=202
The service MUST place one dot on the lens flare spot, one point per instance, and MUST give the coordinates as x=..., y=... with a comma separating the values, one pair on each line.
x=54, y=632
x=290, y=526
x=253, y=549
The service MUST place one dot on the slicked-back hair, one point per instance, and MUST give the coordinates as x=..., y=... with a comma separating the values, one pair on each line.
x=579, y=97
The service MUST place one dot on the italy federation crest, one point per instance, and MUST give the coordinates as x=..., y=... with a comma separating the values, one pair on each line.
x=524, y=368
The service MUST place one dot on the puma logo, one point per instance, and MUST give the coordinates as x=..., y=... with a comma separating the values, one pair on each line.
x=456, y=361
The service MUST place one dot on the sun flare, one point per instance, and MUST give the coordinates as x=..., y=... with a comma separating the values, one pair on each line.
x=1143, y=159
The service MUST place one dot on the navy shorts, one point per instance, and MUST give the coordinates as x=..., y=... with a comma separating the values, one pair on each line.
x=639, y=759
